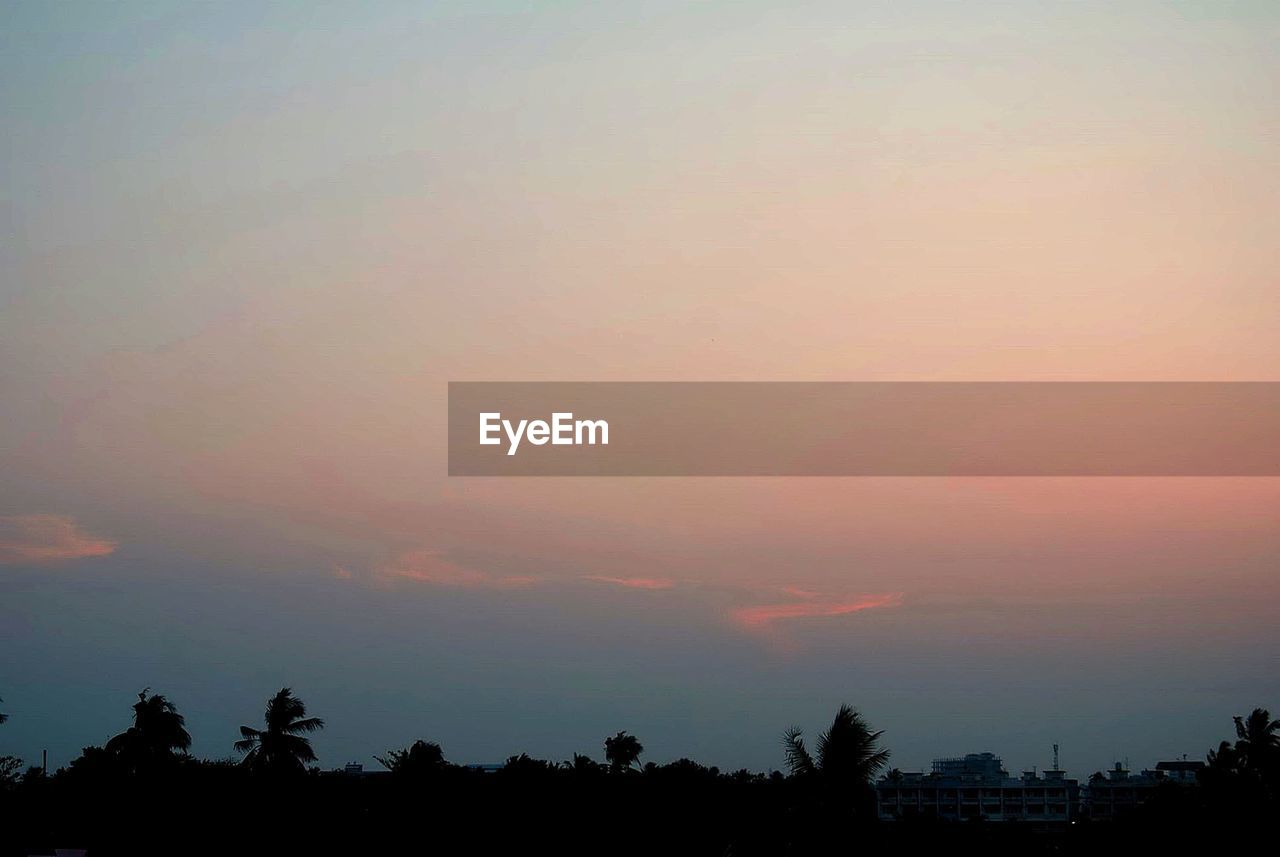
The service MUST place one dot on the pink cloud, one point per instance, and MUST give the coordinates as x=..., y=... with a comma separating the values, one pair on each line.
x=763, y=616
x=633, y=582
x=433, y=567
x=39, y=539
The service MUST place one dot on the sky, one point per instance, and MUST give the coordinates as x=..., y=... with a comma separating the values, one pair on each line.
x=246, y=246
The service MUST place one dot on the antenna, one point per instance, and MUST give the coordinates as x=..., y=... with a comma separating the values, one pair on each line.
x=1055, y=758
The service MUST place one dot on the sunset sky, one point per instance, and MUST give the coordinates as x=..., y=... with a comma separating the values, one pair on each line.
x=244, y=250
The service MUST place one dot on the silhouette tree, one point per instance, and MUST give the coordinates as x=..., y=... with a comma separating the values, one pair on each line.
x=419, y=759
x=3, y=716
x=1224, y=760
x=280, y=748
x=526, y=767
x=1241, y=782
x=158, y=733
x=833, y=785
x=582, y=765
x=1257, y=742
x=622, y=751
x=10, y=771
x=848, y=754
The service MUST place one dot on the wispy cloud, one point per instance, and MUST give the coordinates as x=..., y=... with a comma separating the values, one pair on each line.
x=764, y=616
x=433, y=567
x=633, y=582
x=39, y=539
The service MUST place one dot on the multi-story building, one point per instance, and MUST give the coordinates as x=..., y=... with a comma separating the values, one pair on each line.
x=978, y=786
x=1179, y=771
x=1119, y=792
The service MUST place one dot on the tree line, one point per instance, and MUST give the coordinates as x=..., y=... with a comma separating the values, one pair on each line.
x=847, y=753
x=143, y=792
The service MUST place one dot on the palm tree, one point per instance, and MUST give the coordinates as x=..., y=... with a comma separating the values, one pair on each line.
x=3, y=717
x=582, y=765
x=848, y=754
x=157, y=734
x=420, y=759
x=1257, y=740
x=1224, y=760
x=622, y=751
x=280, y=747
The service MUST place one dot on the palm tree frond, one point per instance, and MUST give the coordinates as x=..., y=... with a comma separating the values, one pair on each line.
x=311, y=724
x=798, y=759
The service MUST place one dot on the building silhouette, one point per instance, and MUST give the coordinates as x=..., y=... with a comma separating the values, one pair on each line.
x=978, y=786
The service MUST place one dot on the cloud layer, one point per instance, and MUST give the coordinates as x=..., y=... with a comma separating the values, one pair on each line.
x=41, y=539
x=633, y=582
x=764, y=616
x=433, y=567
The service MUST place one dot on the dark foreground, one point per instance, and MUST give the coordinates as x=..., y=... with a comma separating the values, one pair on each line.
x=205, y=808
